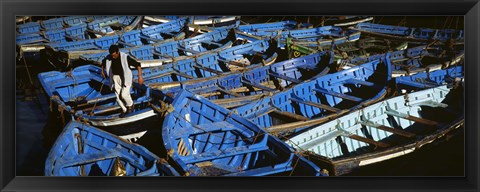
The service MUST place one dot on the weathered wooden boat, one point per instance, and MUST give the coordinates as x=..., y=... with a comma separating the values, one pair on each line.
x=204, y=139
x=73, y=33
x=367, y=46
x=76, y=35
x=172, y=50
x=22, y=19
x=265, y=27
x=30, y=38
x=401, y=54
x=347, y=50
x=66, y=29
x=321, y=43
x=422, y=60
x=76, y=20
x=53, y=36
x=30, y=27
x=83, y=150
x=215, y=21
x=129, y=39
x=251, y=31
x=65, y=53
x=84, y=94
x=236, y=58
x=322, y=99
x=237, y=89
x=55, y=23
x=410, y=33
x=320, y=36
x=452, y=76
x=411, y=61
x=388, y=129
x=103, y=27
x=347, y=20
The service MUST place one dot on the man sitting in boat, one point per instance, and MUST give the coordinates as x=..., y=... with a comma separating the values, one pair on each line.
x=118, y=66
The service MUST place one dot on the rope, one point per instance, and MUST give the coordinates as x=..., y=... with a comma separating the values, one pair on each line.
x=294, y=167
x=451, y=21
x=403, y=22
x=61, y=110
x=163, y=110
x=445, y=23
x=95, y=104
x=269, y=20
x=456, y=24
x=81, y=146
x=51, y=101
x=26, y=67
x=379, y=21
x=69, y=74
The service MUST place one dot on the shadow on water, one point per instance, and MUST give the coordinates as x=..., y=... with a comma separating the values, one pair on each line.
x=152, y=139
x=34, y=162
x=443, y=159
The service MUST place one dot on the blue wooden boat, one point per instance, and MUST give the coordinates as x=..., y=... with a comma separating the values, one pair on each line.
x=251, y=31
x=65, y=53
x=385, y=130
x=236, y=89
x=411, y=61
x=319, y=100
x=54, y=23
x=127, y=39
x=62, y=55
x=215, y=21
x=204, y=20
x=348, y=36
x=75, y=36
x=76, y=20
x=82, y=93
x=83, y=150
x=205, y=139
x=209, y=65
x=265, y=27
x=425, y=80
x=348, y=20
x=170, y=50
x=102, y=27
x=410, y=34
x=30, y=38
x=72, y=33
x=30, y=27
x=394, y=56
x=365, y=46
x=421, y=61
x=311, y=37
x=157, y=33
x=63, y=22
x=66, y=29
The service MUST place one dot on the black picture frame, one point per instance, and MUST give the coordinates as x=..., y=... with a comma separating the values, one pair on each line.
x=8, y=10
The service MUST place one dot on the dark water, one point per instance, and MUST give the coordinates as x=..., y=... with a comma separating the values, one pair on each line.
x=37, y=127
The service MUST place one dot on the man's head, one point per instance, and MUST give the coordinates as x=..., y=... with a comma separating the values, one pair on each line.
x=114, y=51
